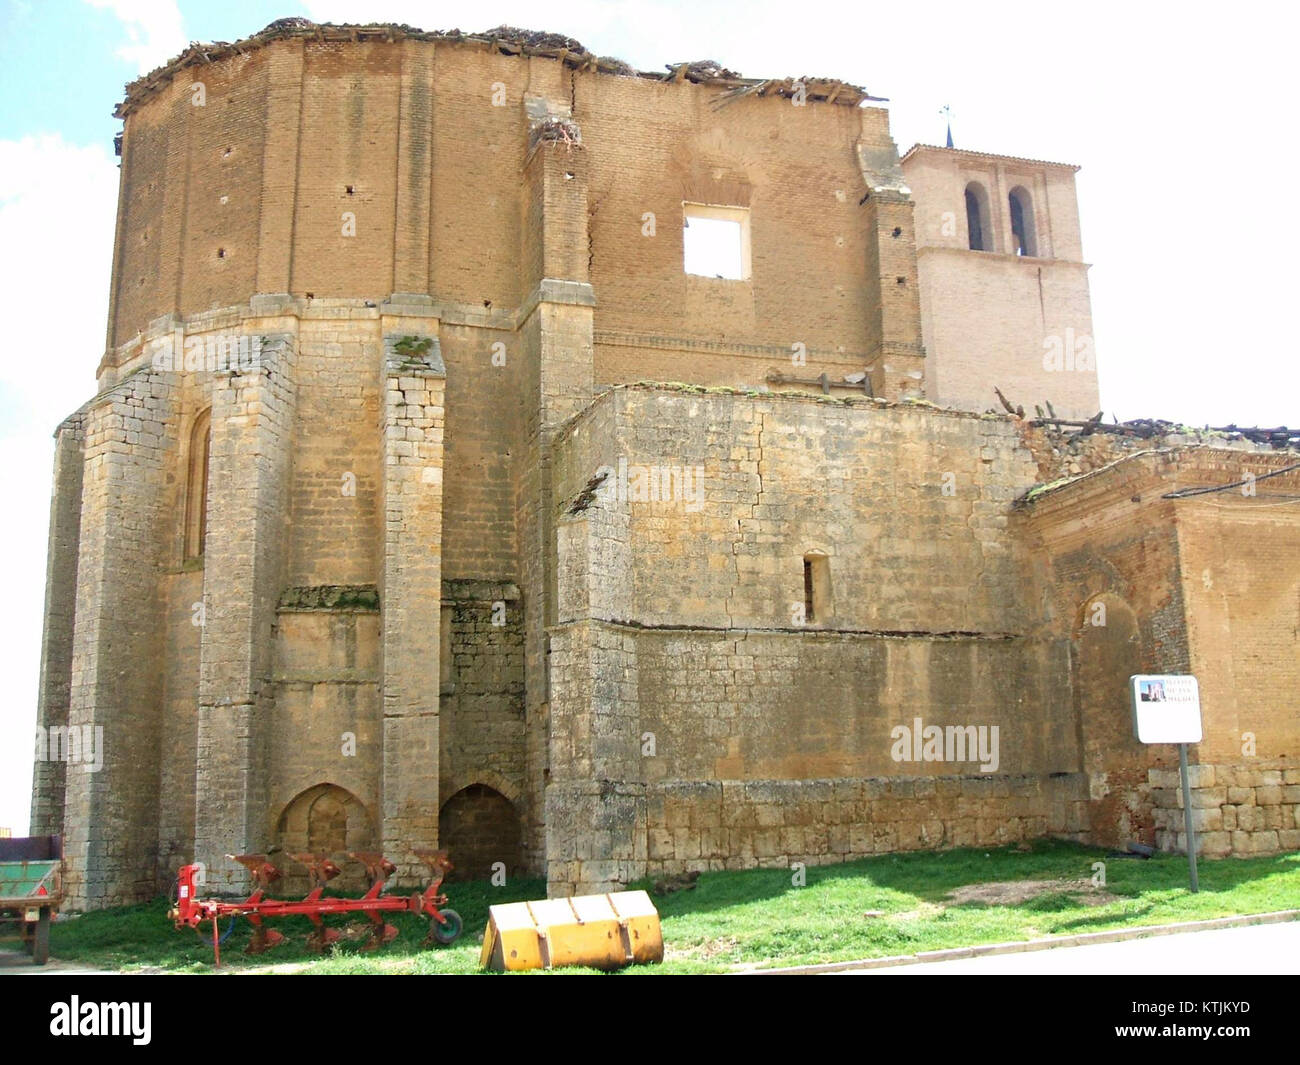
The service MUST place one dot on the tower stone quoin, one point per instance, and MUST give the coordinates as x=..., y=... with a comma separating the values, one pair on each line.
x=426, y=497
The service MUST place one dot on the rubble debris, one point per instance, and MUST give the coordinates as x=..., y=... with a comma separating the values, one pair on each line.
x=829, y=90
x=1149, y=428
x=1019, y=412
x=330, y=597
x=508, y=40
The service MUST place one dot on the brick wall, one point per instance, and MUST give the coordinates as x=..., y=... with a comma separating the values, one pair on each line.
x=253, y=187
x=1200, y=585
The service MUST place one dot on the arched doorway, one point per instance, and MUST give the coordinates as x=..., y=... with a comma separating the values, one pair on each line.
x=1107, y=651
x=478, y=827
x=324, y=819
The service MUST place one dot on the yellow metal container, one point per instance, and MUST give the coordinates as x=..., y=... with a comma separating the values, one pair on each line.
x=598, y=931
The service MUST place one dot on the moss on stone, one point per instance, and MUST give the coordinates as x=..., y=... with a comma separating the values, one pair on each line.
x=343, y=597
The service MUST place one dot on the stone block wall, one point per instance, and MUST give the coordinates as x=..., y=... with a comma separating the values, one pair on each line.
x=769, y=824
x=685, y=826
x=680, y=674
x=244, y=568
x=1201, y=584
x=54, y=696
x=482, y=690
x=908, y=503
x=327, y=695
x=111, y=811
x=411, y=594
x=1236, y=810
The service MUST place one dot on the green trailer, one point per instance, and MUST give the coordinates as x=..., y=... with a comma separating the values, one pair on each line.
x=31, y=889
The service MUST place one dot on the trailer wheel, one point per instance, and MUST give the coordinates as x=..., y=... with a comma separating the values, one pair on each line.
x=446, y=933
x=41, y=940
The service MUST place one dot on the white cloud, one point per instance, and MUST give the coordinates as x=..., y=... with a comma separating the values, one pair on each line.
x=154, y=30
x=57, y=211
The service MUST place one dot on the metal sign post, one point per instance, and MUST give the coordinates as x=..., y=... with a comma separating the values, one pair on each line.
x=1187, y=816
x=1167, y=709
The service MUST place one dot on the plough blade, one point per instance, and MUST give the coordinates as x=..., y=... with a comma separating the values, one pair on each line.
x=378, y=868
x=323, y=938
x=260, y=867
x=381, y=934
x=263, y=939
x=321, y=868
x=437, y=861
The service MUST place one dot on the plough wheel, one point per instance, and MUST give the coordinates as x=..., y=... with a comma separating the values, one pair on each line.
x=445, y=933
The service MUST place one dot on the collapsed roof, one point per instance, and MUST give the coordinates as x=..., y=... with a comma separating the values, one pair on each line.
x=505, y=40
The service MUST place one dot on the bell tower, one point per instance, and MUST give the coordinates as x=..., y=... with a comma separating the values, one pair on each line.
x=1004, y=288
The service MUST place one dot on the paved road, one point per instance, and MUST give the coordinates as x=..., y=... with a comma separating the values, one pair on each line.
x=1268, y=950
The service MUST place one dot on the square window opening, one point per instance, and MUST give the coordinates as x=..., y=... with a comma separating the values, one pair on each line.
x=715, y=241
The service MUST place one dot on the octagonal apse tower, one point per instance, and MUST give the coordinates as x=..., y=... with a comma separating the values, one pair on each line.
x=298, y=567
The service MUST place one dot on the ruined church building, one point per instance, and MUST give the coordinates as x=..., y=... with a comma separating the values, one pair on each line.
x=433, y=493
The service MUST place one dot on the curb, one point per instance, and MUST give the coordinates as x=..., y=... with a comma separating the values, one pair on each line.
x=1024, y=946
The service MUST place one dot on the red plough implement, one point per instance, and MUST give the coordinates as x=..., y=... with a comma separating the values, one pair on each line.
x=191, y=911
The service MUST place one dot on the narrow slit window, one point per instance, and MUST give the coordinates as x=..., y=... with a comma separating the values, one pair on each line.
x=715, y=241
x=446, y=663
x=816, y=588
x=196, y=490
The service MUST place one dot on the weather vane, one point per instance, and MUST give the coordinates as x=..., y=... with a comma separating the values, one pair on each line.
x=946, y=111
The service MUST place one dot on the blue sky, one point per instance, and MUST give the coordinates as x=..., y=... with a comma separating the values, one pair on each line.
x=1180, y=114
x=63, y=62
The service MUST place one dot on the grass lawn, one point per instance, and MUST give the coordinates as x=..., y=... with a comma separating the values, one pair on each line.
x=874, y=907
